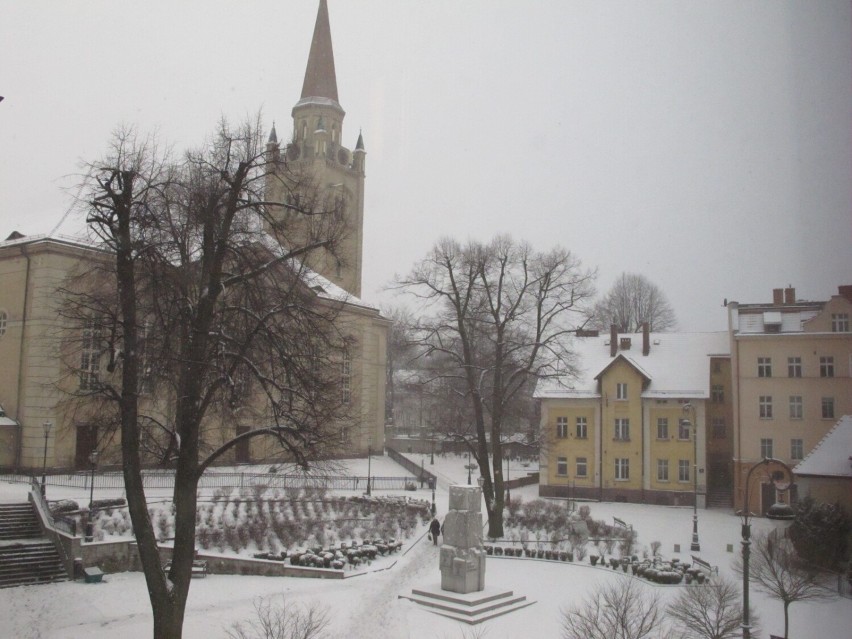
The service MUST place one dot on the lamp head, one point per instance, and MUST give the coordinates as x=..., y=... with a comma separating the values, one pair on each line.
x=93, y=457
x=47, y=426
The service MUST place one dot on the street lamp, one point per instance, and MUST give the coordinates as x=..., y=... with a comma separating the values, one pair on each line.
x=93, y=459
x=369, y=467
x=468, y=467
x=432, y=486
x=687, y=408
x=432, y=456
x=508, y=496
x=776, y=511
x=47, y=426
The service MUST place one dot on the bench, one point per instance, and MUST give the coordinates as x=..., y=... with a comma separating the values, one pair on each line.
x=199, y=567
x=699, y=563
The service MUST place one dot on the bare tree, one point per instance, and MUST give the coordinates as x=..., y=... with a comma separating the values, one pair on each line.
x=622, y=610
x=496, y=316
x=201, y=305
x=777, y=569
x=284, y=621
x=709, y=611
x=632, y=301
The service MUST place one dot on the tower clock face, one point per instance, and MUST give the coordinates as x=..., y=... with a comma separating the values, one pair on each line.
x=293, y=152
x=343, y=157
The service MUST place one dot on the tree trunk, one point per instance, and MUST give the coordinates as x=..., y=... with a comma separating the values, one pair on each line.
x=786, y=618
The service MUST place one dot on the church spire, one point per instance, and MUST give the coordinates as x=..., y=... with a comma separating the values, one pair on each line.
x=320, y=79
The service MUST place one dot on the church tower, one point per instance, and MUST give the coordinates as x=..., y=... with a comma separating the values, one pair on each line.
x=316, y=160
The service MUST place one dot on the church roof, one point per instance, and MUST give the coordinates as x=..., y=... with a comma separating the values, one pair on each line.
x=320, y=78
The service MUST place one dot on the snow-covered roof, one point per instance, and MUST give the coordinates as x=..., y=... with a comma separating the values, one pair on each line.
x=833, y=454
x=676, y=366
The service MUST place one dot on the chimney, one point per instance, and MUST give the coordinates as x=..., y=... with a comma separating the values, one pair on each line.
x=646, y=339
x=789, y=295
x=777, y=296
x=845, y=291
x=613, y=340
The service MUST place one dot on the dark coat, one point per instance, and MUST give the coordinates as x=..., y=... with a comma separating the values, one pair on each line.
x=435, y=527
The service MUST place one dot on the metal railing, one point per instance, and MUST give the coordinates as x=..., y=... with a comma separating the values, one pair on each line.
x=160, y=479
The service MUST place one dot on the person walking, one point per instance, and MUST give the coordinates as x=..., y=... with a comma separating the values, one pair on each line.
x=435, y=530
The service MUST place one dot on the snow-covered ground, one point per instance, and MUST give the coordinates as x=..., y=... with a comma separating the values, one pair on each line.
x=368, y=605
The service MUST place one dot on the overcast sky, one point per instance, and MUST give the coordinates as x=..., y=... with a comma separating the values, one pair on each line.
x=706, y=145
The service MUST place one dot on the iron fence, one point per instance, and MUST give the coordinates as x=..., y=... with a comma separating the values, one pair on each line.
x=166, y=480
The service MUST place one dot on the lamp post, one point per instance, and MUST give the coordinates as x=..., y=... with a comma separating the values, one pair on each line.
x=508, y=496
x=687, y=408
x=47, y=426
x=432, y=486
x=93, y=459
x=369, y=467
x=432, y=456
x=468, y=467
x=776, y=511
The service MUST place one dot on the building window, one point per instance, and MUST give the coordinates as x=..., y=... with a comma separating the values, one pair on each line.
x=622, y=468
x=828, y=408
x=826, y=366
x=766, y=447
x=4, y=319
x=717, y=394
x=683, y=427
x=622, y=428
x=90, y=356
x=582, y=467
x=346, y=378
x=766, y=406
x=621, y=391
x=794, y=367
x=839, y=322
x=562, y=427
x=662, y=427
x=562, y=466
x=719, y=429
x=683, y=469
x=796, y=407
x=582, y=428
x=797, y=449
x=764, y=367
x=662, y=470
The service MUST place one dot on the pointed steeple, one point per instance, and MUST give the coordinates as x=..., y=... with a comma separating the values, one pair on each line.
x=359, y=145
x=273, y=136
x=320, y=79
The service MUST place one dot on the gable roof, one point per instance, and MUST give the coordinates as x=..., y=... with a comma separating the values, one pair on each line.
x=676, y=366
x=832, y=455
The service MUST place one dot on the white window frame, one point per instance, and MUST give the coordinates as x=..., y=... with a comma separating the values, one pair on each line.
x=826, y=366
x=764, y=367
x=582, y=428
x=582, y=467
x=621, y=390
x=840, y=322
x=663, y=470
x=765, y=407
x=662, y=428
x=797, y=407
x=683, y=470
x=562, y=466
x=622, y=469
x=346, y=378
x=562, y=428
x=794, y=367
x=766, y=447
x=622, y=429
x=827, y=408
x=797, y=449
x=90, y=355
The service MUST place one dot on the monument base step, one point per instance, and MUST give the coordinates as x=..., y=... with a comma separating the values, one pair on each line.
x=471, y=608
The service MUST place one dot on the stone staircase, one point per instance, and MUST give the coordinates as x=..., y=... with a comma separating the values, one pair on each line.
x=721, y=498
x=26, y=556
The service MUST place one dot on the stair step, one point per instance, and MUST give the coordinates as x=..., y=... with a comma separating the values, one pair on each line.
x=23, y=561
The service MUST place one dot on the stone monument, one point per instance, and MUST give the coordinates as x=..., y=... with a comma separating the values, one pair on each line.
x=462, y=558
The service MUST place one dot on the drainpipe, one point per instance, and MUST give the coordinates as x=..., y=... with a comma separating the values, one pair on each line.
x=20, y=439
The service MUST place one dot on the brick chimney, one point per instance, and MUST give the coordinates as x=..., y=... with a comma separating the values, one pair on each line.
x=789, y=295
x=613, y=340
x=845, y=291
x=646, y=339
x=777, y=296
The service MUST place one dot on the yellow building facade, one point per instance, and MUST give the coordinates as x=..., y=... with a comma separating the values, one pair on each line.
x=622, y=429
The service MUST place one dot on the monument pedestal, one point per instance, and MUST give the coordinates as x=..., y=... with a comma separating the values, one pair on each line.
x=470, y=608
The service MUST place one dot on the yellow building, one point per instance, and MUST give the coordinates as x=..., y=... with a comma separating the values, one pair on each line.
x=791, y=360
x=622, y=428
x=35, y=383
